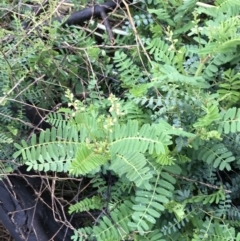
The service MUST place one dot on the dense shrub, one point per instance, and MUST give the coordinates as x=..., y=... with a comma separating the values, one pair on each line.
x=152, y=120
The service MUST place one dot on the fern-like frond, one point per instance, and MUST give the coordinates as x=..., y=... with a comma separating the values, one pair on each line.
x=212, y=66
x=149, y=204
x=230, y=121
x=109, y=228
x=56, y=119
x=163, y=15
x=186, y=7
x=165, y=159
x=217, y=155
x=160, y=51
x=87, y=124
x=171, y=130
x=133, y=165
x=86, y=161
x=223, y=36
x=99, y=183
x=166, y=73
x=211, y=116
x=213, y=229
x=226, y=5
x=224, y=47
x=224, y=206
x=4, y=138
x=53, y=150
x=133, y=111
x=233, y=214
x=5, y=114
x=155, y=235
x=86, y=205
x=128, y=138
x=129, y=72
x=206, y=199
x=120, y=190
x=229, y=89
x=233, y=187
x=173, y=226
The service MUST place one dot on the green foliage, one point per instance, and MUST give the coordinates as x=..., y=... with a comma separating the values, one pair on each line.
x=216, y=154
x=112, y=227
x=230, y=121
x=152, y=122
x=86, y=205
x=129, y=138
x=149, y=204
x=129, y=72
x=211, y=116
x=52, y=151
x=204, y=199
x=213, y=230
x=229, y=88
x=86, y=161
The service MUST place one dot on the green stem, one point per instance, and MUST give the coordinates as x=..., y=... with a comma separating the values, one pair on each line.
x=201, y=65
